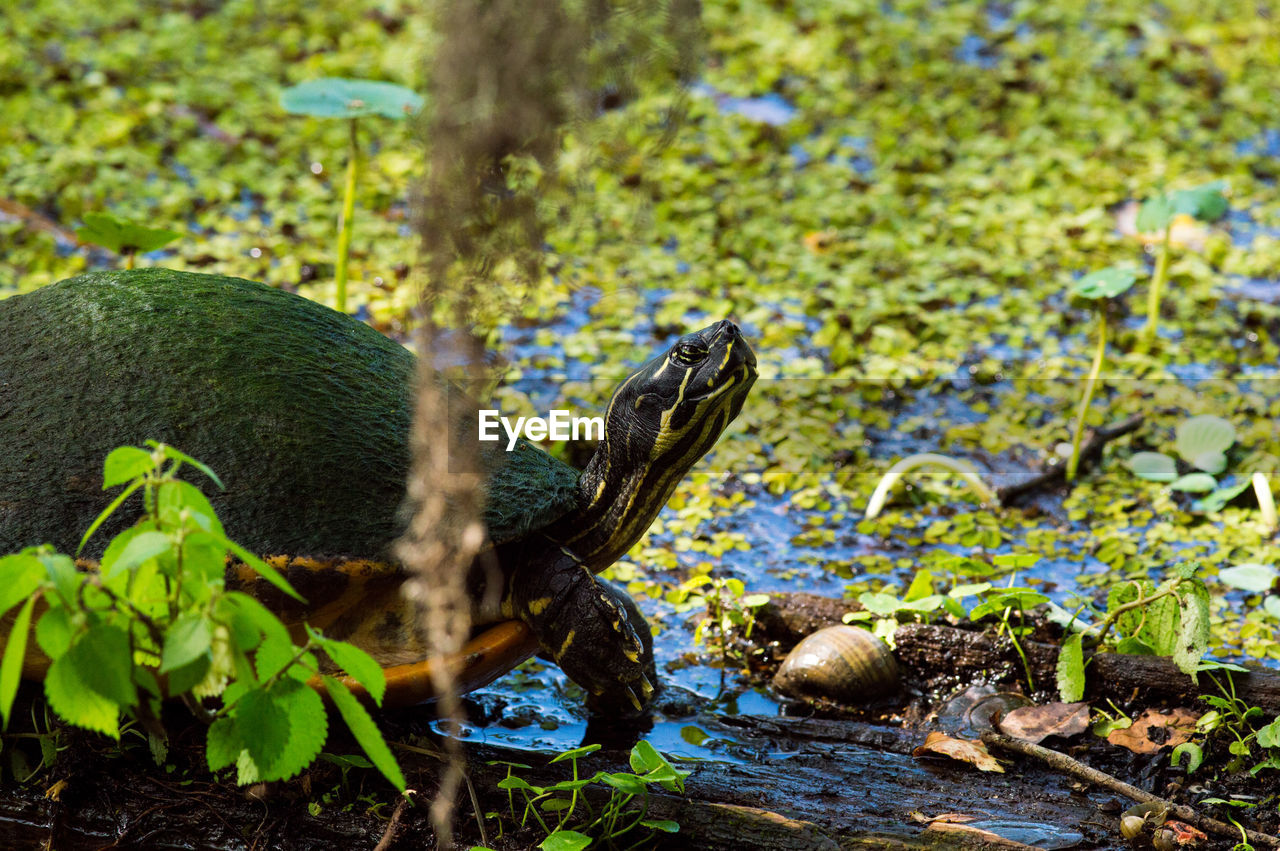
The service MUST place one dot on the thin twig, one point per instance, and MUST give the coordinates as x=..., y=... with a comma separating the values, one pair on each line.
x=1061, y=762
x=393, y=826
x=1089, y=455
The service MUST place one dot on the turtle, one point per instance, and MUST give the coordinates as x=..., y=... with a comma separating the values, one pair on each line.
x=305, y=414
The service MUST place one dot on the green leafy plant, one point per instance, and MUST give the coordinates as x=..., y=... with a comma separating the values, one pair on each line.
x=335, y=97
x=1205, y=203
x=729, y=609
x=1171, y=619
x=557, y=807
x=1097, y=286
x=123, y=236
x=154, y=620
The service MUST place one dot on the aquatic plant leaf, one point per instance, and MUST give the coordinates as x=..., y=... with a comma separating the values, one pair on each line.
x=1194, y=483
x=1155, y=214
x=1212, y=463
x=1153, y=466
x=1206, y=202
x=565, y=840
x=1203, y=434
x=337, y=97
x=1250, y=576
x=1218, y=500
x=1071, y=668
x=1105, y=283
x=123, y=236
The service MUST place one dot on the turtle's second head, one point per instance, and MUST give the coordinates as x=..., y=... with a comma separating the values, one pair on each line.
x=661, y=420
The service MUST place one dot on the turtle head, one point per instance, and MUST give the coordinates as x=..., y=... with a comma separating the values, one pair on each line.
x=661, y=420
x=671, y=410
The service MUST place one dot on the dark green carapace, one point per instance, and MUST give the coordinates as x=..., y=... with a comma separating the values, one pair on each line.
x=305, y=414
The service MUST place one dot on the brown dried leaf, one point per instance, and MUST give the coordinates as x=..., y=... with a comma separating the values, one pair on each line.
x=1034, y=723
x=1151, y=731
x=974, y=753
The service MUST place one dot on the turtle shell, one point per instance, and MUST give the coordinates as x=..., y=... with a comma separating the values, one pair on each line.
x=304, y=412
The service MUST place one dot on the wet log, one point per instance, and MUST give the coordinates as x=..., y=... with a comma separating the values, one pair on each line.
x=930, y=652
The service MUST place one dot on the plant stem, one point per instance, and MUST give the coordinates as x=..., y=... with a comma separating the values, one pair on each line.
x=1158, y=281
x=1073, y=463
x=894, y=474
x=344, y=225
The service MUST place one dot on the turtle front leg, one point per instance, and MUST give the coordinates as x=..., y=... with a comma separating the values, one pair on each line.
x=584, y=626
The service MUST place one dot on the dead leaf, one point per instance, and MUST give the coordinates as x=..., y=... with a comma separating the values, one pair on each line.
x=974, y=753
x=1035, y=723
x=1152, y=731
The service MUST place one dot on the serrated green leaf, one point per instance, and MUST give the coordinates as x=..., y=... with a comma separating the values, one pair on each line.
x=274, y=653
x=11, y=664
x=21, y=575
x=1203, y=434
x=565, y=840
x=1105, y=283
x=254, y=615
x=308, y=728
x=189, y=637
x=358, y=665
x=124, y=464
x=102, y=658
x=263, y=726
x=1193, y=631
x=121, y=235
x=222, y=743
x=1153, y=466
x=1071, y=668
x=186, y=677
x=1250, y=577
x=177, y=455
x=365, y=731
x=54, y=632
x=107, y=512
x=173, y=497
x=263, y=569
x=141, y=546
x=665, y=825
x=77, y=704
x=1194, y=483
x=336, y=97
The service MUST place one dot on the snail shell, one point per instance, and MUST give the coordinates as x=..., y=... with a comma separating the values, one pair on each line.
x=842, y=663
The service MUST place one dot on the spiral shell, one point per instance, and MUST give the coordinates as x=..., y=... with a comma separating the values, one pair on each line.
x=842, y=663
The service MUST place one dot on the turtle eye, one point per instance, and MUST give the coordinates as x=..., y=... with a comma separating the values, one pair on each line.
x=689, y=353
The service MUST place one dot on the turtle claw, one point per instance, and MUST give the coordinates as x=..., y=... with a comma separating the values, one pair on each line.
x=635, y=699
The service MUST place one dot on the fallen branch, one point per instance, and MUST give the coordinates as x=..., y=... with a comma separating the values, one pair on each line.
x=1061, y=762
x=1090, y=455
